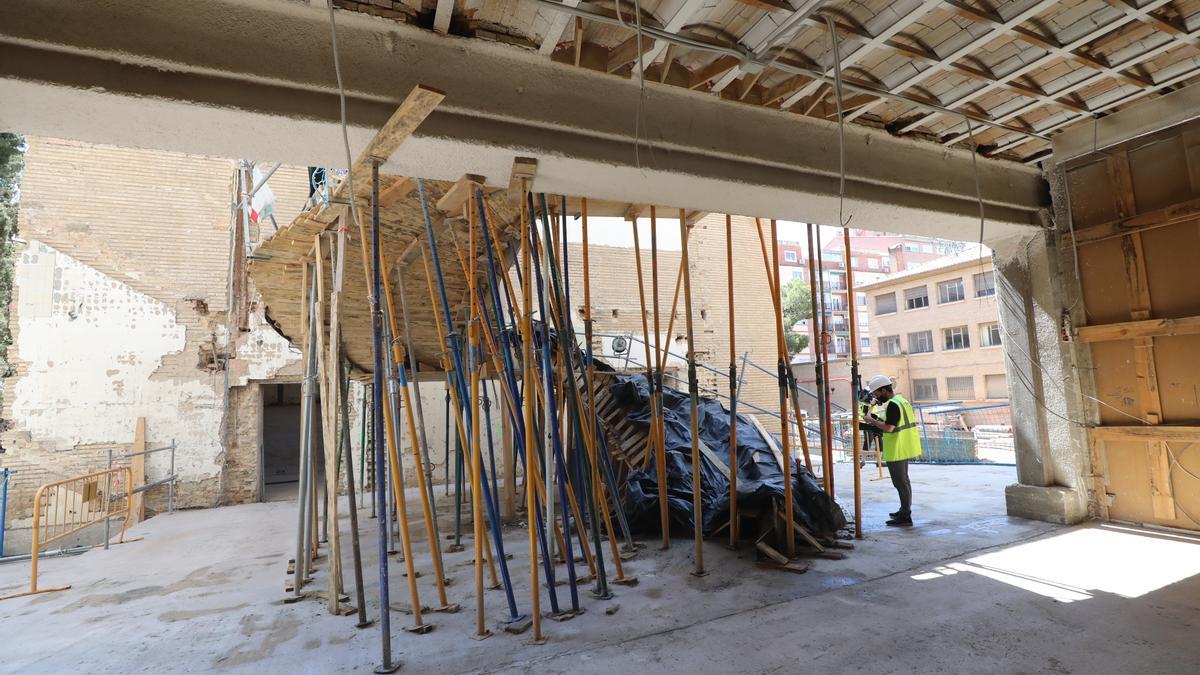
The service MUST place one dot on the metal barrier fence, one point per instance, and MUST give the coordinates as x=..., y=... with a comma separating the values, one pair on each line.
x=62, y=508
x=966, y=435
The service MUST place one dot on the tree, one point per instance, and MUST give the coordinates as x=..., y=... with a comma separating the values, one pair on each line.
x=797, y=306
x=12, y=161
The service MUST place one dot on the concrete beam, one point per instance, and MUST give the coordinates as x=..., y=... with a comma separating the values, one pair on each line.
x=254, y=78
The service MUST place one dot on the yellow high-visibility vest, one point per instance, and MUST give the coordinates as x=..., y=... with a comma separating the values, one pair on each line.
x=905, y=441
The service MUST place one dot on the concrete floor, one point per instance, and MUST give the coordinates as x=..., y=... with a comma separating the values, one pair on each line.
x=966, y=590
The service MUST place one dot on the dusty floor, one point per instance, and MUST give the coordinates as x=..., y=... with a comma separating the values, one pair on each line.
x=966, y=590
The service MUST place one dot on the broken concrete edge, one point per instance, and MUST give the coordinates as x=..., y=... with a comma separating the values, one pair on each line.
x=1052, y=504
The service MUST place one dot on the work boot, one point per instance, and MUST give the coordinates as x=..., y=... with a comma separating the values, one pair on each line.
x=900, y=521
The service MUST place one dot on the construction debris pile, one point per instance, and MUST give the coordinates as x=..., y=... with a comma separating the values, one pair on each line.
x=759, y=481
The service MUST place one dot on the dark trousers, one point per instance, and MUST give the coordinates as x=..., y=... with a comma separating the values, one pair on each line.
x=899, y=473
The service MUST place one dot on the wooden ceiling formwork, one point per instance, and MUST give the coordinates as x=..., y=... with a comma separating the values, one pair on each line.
x=1000, y=75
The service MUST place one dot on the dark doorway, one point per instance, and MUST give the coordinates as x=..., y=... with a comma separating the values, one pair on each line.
x=281, y=440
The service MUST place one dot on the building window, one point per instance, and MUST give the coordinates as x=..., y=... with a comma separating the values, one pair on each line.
x=865, y=344
x=885, y=304
x=889, y=345
x=860, y=299
x=950, y=291
x=996, y=386
x=989, y=334
x=957, y=337
x=797, y=274
x=920, y=343
x=854, y=262
x=832, y=256
x=985, y=284
x=789, y=256
x=873, y=263
x=960, y=388
x=925, y=390
x=941, y=250
x=916, y=298
x=841, y=345
x=912, y=248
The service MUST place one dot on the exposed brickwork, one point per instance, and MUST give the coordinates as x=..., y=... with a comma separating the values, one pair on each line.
x=119, y=312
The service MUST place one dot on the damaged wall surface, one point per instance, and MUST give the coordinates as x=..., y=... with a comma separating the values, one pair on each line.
x=120, y=313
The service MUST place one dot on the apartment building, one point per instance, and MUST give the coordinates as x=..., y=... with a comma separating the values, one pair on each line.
x=935, y=329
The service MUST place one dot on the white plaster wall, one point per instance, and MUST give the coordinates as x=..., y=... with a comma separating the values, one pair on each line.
x=90, y=347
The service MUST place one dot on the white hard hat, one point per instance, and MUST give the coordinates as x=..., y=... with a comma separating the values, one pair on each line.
x=878, y=381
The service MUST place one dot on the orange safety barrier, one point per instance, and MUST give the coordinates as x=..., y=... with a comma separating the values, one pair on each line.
x=65, y=507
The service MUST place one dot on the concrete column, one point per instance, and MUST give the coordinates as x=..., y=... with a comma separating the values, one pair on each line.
x=1051, y=449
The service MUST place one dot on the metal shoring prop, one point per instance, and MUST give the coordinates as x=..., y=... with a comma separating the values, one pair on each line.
x=417, y=442
x=362, y=452
x=733, y=388
x=555, y=433
x=424, y=458
x=516, y=397
x=826, y=409
x=793, y=388
x=471, y=421
x=814, y=271
x=581, y=428
x=385, y=619
x=659, y=459
x=446, y=463
x=595, y=450
x=301, y=562
x=566, y=348
x=344, y=390
x=532, y=511
x=782, y=365
x=694, y=393
x=451, y=390
x=477, y=483
x=656, y=386
x=564, y=307
x=854, y=384
x=396, y=463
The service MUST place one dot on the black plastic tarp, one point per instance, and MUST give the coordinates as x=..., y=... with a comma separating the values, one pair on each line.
x=759, y=476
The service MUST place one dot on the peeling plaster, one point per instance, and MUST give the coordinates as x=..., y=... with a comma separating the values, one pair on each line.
x=89, y=346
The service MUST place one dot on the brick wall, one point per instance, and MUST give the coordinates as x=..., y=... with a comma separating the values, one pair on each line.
x=119, y=305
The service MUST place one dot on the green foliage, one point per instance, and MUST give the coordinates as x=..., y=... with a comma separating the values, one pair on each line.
x=12, y=161
x=797, y=306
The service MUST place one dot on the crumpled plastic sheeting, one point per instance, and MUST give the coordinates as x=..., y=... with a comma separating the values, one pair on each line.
x=759, y=477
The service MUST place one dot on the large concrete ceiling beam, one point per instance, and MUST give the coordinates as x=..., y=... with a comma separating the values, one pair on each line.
x=254, y=78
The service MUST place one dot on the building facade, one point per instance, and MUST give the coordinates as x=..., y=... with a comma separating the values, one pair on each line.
x=935, y=328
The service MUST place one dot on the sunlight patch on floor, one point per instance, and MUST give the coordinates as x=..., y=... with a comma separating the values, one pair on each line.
x=1075, y=565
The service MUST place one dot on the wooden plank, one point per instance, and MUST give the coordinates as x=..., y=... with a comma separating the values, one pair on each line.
x=627, y=52
x=712, y=457
x=716, y=68
x=408, y=116
x=1146, y=328
x=456, y=197
x=1162, y=433
x=770, y=439
x=1151, y=220
x=1140, y=307
x=137, y=466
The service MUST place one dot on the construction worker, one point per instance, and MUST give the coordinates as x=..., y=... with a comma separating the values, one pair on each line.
x=901, y=442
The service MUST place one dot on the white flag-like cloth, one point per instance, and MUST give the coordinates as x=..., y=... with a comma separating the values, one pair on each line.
x=263, y=203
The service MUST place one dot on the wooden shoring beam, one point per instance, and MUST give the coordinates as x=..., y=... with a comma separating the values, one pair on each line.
x=408, y=116
x=1138, y=284
x=1165, y=433
x=714, y=69
x=627, y=52
x=1146, y=328
x=1142, y=222
x=442, y=16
